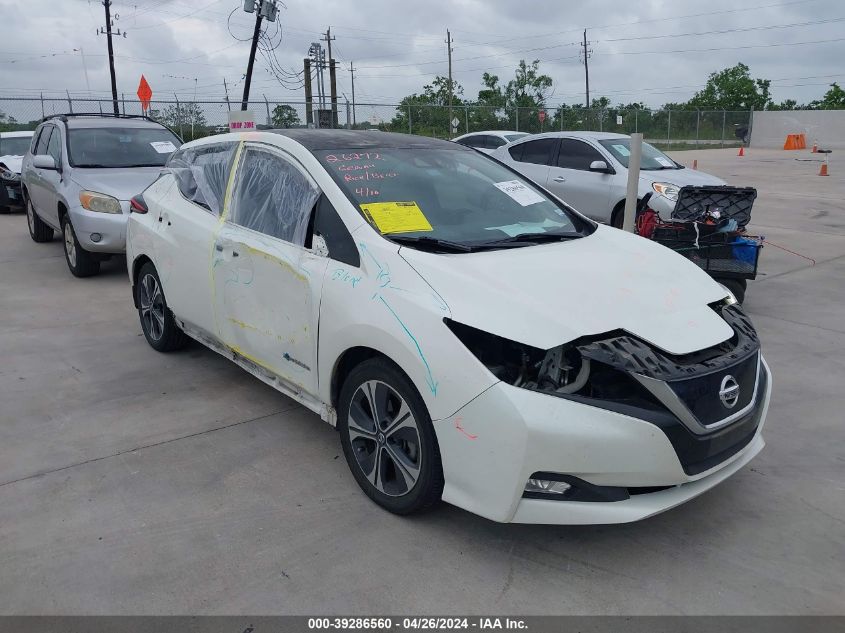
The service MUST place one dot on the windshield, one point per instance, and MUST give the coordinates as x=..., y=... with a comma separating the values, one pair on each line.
x=514, y=137
x=14, y=146
x=446, y=195
x=121, y=147
x=653, y=158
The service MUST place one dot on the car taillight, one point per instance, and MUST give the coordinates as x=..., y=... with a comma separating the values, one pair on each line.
x=138, y=204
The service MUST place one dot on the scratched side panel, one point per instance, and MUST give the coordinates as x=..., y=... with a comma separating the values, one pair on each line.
x=386, y=305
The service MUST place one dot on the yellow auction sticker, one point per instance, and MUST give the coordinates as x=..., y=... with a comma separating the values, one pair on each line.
x=396, y=217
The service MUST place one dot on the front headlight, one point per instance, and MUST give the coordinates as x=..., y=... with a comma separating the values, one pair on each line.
x=667, y=190
x=99, y=202
x=7, y=174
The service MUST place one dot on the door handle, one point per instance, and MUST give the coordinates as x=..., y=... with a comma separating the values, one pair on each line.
x=218, y=247
x=235, y=254
x=559, y=179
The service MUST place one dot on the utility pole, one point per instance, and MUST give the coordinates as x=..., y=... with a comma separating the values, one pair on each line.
x=332, y=75
x=265, y=9
x=108, y=33
x=352, y=73
x=226, y=92
x=586, y=52
x=309, y=103
x=449, y=51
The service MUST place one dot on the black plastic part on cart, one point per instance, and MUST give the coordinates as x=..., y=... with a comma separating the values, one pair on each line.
x=696, y=203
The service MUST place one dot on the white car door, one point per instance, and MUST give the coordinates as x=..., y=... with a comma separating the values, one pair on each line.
x=571, y=179
x=267, y=284
x=533, y=158
x=44, y=183
x=188, y=219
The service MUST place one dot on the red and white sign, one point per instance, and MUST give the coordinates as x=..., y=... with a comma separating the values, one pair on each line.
x=541, y=115
x=241, y=121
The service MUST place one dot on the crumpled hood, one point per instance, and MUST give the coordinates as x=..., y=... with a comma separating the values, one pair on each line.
x=550, y=294
x=122, y=183
x=12, y=162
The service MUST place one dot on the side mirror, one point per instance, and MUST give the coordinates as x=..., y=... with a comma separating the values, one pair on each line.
x=600, y=166
x=44, y=161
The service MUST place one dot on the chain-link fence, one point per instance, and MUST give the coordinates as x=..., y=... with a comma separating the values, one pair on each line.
x=675, y=129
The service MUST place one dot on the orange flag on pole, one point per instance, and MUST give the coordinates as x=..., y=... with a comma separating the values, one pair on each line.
x=145, y=93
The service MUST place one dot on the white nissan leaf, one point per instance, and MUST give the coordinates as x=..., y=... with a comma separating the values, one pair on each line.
x=471, y=337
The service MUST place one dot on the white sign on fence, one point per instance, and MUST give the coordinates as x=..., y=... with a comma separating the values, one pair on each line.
x=241, y=121
x=618, y=119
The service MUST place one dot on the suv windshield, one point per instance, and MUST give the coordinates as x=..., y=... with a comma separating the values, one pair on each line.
x=455, y=199
x=653, y=158
x=14, y=146
x=121, y=147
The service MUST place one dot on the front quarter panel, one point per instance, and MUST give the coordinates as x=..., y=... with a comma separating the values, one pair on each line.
x=386, y=306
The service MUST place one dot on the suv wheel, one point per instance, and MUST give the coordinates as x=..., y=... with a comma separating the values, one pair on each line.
x=388, y=438
x=157, y=320
x=80, y=262
x=38, y=230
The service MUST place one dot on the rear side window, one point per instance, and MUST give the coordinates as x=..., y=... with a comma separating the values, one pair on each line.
x=272, y=196
x=43, y=139
x=473, y=141
x=576, y=155
x=494, y=141
x=538, y=152
x=202, y=173
x=54, y=147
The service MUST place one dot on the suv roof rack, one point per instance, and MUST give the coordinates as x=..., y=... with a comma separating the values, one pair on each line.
x=64, y=116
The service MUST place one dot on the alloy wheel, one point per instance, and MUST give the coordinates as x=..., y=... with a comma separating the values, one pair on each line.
x=30, y=217
x=152, y=307
x=70, y=244
x=385, y=438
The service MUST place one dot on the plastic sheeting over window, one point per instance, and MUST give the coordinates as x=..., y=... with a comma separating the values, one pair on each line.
x=272, y=197
x=203, y=173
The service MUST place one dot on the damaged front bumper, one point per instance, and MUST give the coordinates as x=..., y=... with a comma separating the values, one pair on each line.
x=507, y=435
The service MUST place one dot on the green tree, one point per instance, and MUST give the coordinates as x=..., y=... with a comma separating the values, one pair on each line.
x=834, y=99
x=733, y=89
x=428, y=116
x=285, y=116
x=188, y=119
x=525, y=95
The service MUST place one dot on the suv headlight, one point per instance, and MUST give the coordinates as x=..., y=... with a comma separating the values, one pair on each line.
x=99, y=202
x=667, y=190
x=6, y=174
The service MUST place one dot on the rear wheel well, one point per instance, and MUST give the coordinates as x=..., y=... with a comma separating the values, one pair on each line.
x=350, y=359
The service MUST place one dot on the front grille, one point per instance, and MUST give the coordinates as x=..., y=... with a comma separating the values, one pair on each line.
x=701, y=394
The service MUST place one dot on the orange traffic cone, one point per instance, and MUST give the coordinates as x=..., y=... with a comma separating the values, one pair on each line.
x=815, y=147
x=741, y=151
x=695, y=164
x=823, y=170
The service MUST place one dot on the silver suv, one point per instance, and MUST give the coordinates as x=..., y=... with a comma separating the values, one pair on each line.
x=79, y=175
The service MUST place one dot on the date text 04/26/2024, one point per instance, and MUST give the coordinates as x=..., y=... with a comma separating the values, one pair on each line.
x=417, y=623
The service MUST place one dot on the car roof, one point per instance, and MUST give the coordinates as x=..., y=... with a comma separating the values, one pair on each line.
x=314, y=140
x=94, y=121
x=596, y=136
x=19, y=134
x=496, y=132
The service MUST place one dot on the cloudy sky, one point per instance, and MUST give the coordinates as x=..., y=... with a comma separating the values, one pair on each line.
x=649, y=50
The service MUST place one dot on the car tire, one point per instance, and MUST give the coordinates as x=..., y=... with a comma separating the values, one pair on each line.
x=39, y=231
x=396, y=461
x=80, y=262
x=736, y=286
x=157, y=322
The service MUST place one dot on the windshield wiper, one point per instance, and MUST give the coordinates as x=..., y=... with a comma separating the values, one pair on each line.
x=427, y=241
x=530, y=238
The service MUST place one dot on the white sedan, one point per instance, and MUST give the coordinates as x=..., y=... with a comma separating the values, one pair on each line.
x=471, y=337
x=589, y=170
x=489, y=140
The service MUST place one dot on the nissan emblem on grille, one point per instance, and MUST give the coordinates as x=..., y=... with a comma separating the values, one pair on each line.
x=729, y=391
